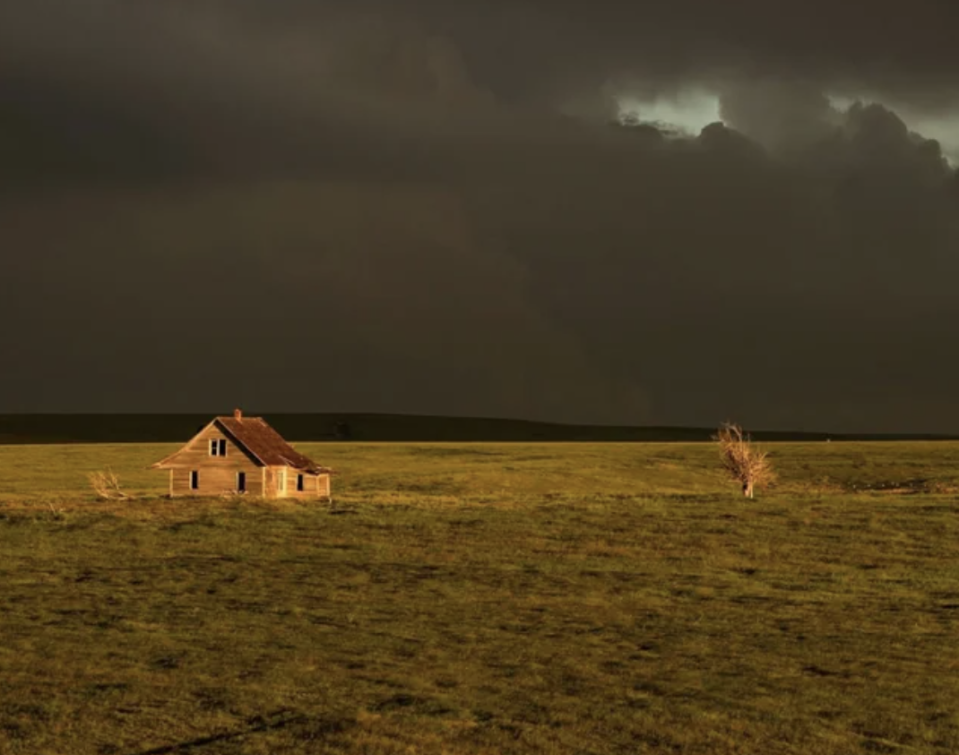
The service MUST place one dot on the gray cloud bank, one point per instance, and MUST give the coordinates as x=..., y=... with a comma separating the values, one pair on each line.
x=313, y=206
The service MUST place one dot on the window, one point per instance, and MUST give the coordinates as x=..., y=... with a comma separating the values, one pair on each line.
x=299, y=482
x=218, y=447
x=213, y=447
x=222, y=446
x=194, y=480
x=241, y=482
x=281, y=480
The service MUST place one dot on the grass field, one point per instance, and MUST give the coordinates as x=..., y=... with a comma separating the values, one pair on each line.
x=486, y=598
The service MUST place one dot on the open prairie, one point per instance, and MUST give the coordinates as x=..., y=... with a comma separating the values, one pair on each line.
x=486, y=598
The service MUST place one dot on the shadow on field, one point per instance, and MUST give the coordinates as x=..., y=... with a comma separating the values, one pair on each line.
x=313, y=728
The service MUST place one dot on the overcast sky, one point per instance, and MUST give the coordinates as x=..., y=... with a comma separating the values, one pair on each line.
x=637, y=213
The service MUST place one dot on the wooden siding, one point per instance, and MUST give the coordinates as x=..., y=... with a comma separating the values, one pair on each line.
x=323, y=485
x=218, y=474
x=314, y=486
x=269, y=482
x=214, y=481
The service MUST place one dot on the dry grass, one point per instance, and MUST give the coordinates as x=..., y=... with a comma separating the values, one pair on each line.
x=107, y=486
x=486, y=599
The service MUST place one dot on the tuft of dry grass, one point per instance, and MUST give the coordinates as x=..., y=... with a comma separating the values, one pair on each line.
x=106, y=485
x=746, y=464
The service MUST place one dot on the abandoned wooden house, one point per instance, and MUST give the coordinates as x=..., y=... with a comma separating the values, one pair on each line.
x=243, y=455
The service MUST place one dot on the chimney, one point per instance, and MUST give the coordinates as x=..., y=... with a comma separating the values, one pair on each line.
x=237, y=415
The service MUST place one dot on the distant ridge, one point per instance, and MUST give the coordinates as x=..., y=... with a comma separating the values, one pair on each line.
x=170, y=428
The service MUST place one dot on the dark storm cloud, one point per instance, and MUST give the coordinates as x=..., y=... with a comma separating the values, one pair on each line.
x=373, y=209
x=126, y=90
x=520, y=44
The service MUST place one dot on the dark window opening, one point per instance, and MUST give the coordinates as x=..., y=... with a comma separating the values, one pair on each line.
x=299, y=482
x=194, y=480
x=213, y=447
x=222, y=446
x=241, y=481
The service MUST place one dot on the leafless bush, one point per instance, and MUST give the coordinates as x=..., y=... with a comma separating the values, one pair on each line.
x=746, y=464
x=106, y=485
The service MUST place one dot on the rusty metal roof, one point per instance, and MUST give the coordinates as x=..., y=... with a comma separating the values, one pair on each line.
x=266, y=444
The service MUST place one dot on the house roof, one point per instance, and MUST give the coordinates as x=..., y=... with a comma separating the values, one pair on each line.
x=266, y=444
x=260, y=441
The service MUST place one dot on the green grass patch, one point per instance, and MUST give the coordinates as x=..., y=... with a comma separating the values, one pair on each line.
x=486, y=598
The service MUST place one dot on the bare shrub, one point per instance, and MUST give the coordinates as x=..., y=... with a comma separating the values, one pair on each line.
x=106, y=485
x=745, y=463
